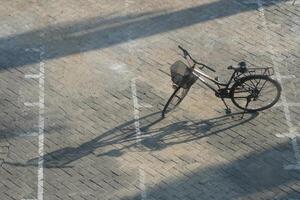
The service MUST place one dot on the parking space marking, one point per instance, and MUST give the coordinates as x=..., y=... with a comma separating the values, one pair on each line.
x=288, y=104
x=28, y=134
x=29, y=199
x=32, y=76
x=29, y=104
x=136, y=114
x=41, y=120
x=286, y=76
x=292, y=130
x=41, y=128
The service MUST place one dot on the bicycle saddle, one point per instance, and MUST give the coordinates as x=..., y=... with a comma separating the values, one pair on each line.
x=241, y=67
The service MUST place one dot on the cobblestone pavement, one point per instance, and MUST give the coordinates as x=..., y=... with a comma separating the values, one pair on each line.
x=83, y=83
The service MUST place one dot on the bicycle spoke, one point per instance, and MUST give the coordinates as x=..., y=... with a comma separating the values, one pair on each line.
x=262, y=86
x=253, y=83
x=243, y=87
x=248, y=85
x=259, y=99
x=258, y=83
x=263, y=95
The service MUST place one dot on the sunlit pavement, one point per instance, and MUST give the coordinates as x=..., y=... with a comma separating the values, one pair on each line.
x=83, y=83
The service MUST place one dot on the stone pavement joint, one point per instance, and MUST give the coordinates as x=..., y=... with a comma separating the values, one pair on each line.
x=91, y=146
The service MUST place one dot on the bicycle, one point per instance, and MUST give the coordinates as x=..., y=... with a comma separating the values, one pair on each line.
x=250, y=89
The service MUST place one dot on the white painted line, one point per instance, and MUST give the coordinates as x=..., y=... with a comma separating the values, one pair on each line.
x=29, y=199
x=32, y=76
x=283, y=95
x=40, y=134
x=29, y=104
x=292, y=167
x=40, y=192
x=288, y=77
x=288, y=104
x=261, y=10
x=32, y=49
x=33, y=134
x=289, y=135
x=136, y=114
x=136, y=108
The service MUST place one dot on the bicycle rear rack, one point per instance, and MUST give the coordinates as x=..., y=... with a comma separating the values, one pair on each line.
x=268, y=71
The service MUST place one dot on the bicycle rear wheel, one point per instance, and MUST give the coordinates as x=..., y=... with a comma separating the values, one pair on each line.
x=255, y=93
x=175, y=99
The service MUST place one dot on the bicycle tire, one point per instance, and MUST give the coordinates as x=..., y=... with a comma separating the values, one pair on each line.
x=250, y=84
x=175, y=99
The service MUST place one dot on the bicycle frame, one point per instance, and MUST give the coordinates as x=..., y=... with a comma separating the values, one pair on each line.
x=202, y=76
x=227, y=90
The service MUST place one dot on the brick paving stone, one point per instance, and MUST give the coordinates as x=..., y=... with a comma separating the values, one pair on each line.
x=93, y=50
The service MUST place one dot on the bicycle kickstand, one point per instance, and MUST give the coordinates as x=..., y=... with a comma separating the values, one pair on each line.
x=227, y=110
x=248, y=101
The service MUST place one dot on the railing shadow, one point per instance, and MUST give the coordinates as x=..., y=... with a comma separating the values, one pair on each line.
x=101, y=32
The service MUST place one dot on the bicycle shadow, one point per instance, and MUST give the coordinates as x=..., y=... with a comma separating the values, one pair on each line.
x=151, y=139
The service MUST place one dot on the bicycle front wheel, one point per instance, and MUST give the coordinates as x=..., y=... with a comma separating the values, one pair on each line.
x=175, y=99
x=255, y=93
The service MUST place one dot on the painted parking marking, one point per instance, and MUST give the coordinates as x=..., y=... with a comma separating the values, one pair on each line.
x=32, y=76
x=288, y=77
x=25, y=135
x=29, y=104
x=288, y=104
x=40, y=193
x=136, y=114
x=41, y=121
x=289, y=135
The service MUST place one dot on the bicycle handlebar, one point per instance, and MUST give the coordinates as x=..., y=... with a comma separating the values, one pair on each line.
x=186, y=53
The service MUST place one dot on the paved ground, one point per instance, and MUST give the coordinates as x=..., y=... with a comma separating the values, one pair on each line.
x=82, y=84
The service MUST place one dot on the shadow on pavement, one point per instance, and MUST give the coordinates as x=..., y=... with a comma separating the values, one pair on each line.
x=150, y=140
x=255, y=175
x=101, y=32
x=258, y=176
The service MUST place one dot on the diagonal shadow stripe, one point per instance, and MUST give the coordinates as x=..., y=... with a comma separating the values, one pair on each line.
x=99, y=32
